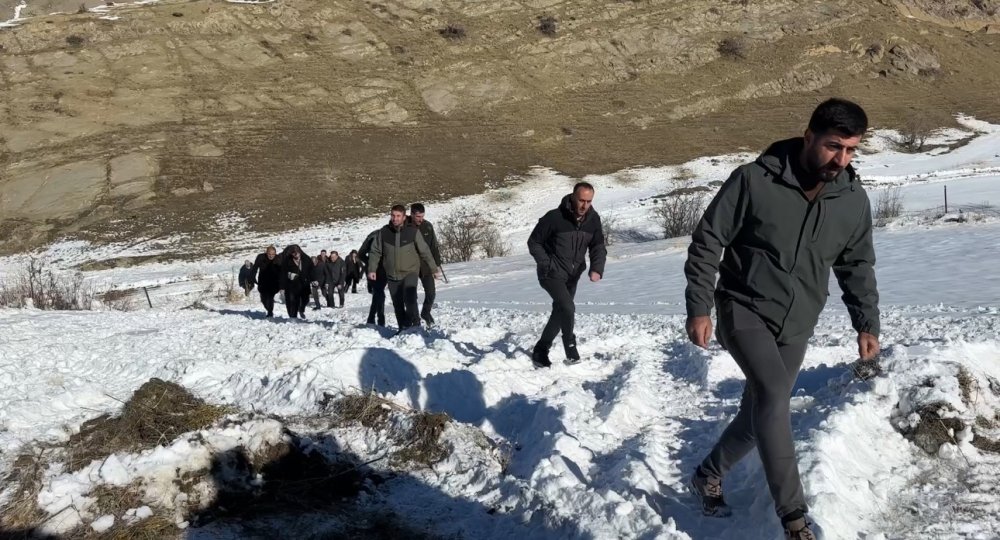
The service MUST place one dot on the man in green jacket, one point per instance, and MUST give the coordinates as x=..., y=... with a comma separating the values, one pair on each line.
x=400, y=248
x=779, y=224
x=416, y=218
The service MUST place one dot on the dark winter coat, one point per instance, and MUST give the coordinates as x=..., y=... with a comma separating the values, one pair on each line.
x=430, y=238
x=364, y=255
x=296, y=277
x=559, y=243
x=334, y=273
x=246, y=278
x=777, y=247
x=401, y=251
x=268, y=273
x=354, y=267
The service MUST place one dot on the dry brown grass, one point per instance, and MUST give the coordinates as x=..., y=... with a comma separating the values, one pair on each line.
x=156, y=413
x=22, y=513
x=119, y=299
x=933, y=430
x=967, y=384
x=423, y=446
x=369, y=410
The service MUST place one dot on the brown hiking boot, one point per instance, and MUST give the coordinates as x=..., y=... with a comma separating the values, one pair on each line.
x=708, y=489
x=798, y=529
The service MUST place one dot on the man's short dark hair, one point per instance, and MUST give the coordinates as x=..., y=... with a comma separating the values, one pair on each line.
x=583, y=185
x=398, y=208
x=417, y=208
x=840, y=115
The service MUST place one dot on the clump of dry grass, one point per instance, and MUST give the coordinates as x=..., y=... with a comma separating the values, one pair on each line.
x=156, y=413
x=966, y=383
x=22, y=513
x=934, y=430
x=423, y=446
x=369, y=409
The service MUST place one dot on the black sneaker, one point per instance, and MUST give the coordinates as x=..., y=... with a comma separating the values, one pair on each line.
x=572, y=355
x=302, y=314
x=540, y=357
x=799, y=529
x=427, y=318
x=708, y=490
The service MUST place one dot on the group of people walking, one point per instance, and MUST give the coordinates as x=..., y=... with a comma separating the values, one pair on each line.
x=760, y=256
x=395, y=257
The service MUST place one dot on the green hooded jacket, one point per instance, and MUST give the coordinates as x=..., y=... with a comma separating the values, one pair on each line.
x=777, y=247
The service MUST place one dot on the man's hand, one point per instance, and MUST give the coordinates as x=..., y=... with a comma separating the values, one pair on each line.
x=595, y=277
x=699, y=330
x=371, y=276
x=438, y=274
x=868, y=346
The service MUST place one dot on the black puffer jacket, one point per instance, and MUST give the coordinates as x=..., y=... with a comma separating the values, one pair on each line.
x=296, y=277
x=268, y=272
x=559, y=243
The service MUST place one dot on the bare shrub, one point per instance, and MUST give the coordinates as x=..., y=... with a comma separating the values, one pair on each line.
x=452, y=32
x=609, y=225
x=229, y=290
x=464, y=233
x=75, y=40
x=888, y=206
x=493, y=244
x=119, y=299
x=733, y=47
x=914, y=133
x=501, y=196
x=547, y=25
x=680, y=211
x=37, y=286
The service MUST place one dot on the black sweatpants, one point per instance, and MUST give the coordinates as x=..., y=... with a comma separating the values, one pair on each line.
x=352, y=282
x=296, y=302
x=404, y=300
x=267, y=298
x=563, y=311
x=764, y=417
x=376, y=313
x=430, y=291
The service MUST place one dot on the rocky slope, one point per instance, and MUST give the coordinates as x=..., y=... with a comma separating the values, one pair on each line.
x=123, y=120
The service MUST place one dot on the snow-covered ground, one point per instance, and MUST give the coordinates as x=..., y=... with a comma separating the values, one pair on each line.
x=602, y=449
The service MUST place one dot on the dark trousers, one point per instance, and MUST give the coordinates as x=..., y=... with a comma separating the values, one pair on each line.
x=267, y=298
x=764, y=419
x=296, y=301
x=376, y=313
x=563, y=311
x=352, y=282
x=404, y=300
x=430, y=291
x=339, y=291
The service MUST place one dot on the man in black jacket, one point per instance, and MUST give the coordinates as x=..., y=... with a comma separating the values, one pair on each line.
x=559, y=243
x=246, y=278
x=296, y=276
x=779, y=225
x=267, y=268
x=426, y=276
x=336, y=276
x=355, y=268
x=399, y=248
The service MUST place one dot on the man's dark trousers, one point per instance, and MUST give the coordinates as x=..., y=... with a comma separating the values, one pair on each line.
x=430, y=292
x=404, y=300
x=563, y=311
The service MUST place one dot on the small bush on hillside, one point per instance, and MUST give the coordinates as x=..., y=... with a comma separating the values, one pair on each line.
x=40, y=287
x=547, y=25
x=609, y=224
x=914, y=134
x=119, y=299
x=888, y=206
x=75, y=40
x=465, y=233
x=680, y=213
x=733, y=47
x=452, y=31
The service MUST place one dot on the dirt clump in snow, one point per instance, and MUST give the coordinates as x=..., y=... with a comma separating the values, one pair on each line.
x=935, y=428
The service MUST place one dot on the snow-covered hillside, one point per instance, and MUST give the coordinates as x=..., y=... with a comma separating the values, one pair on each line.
x=601, y=449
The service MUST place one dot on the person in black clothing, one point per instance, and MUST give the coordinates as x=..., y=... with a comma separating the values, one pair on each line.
x=355, y=269
x=336, y=275
x=426, y=276
x=558, y=243
x=376, y=287
x=296, y=277
x=267, y=269
x=246, y=279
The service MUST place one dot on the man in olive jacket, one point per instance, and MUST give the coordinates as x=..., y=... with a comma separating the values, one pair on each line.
x=400, y=248
x=417, y=211
x=559, y=243
x=779, y=224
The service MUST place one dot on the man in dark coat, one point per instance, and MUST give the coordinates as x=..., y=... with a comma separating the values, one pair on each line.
x=246, y=279
x=559, y=243
x=296, y=278
x=355, y=269
x=399, y=248
x=416, y=218
x=376, y=287
x=267, y=269
x=336, y=276
x=779, y=224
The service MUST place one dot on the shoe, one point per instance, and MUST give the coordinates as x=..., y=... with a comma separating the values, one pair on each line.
x=315, y=308
x=370, y=321
x=799, y=529
x=427, y=318
x=572, y=355
x=708, y=490
x=269, y=314
x=302, y=314
x=540, y=357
